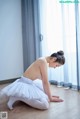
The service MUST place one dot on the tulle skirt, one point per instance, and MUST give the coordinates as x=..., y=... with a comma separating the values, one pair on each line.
x=25, y=88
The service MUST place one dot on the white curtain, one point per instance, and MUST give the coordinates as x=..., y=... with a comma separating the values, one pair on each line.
x=58, y=27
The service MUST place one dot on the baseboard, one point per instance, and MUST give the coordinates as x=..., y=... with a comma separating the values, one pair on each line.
x=8, y=80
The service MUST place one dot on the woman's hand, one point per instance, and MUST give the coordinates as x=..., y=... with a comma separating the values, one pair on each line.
x=55, y=99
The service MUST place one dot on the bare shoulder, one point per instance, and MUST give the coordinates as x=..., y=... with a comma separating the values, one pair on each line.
x=42, y=62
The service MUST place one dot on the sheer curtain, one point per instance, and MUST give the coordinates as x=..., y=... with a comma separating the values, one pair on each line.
x=58, y=27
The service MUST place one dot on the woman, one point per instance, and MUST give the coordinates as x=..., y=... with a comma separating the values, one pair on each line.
x=33, y=87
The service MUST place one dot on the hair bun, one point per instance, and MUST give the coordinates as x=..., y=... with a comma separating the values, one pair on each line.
x=60, y=52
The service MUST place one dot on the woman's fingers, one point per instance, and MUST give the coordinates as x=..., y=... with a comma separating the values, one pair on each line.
x=56, y=100
x=55, y=96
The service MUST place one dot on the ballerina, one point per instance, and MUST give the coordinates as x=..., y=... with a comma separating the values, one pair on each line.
x=33, y=87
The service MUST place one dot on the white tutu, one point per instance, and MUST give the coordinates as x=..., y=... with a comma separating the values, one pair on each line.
x=25, y=88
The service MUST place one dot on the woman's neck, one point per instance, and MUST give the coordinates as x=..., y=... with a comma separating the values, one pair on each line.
x=47, y=59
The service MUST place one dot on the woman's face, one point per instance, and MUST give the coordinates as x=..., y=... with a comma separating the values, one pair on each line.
x=54, y=64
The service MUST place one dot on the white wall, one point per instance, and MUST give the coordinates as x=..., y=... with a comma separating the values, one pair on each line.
x=11, y=53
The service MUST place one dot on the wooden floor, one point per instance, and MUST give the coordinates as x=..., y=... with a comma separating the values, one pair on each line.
x=69, y=109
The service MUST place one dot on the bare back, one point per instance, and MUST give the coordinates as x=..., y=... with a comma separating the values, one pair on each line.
x=34, y=70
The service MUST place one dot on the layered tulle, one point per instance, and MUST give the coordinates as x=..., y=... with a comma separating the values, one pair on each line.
x=25, y=88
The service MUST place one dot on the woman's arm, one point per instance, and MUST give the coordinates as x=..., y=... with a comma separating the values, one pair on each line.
x=46, y=85
x=44, y=74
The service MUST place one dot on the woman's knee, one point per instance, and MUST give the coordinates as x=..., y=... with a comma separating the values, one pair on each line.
x=45, y=104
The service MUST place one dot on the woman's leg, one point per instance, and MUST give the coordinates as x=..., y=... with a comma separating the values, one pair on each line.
x=11, y=101
x=39, y=104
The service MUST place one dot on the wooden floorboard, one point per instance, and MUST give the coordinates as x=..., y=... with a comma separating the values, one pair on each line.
x=69, y=109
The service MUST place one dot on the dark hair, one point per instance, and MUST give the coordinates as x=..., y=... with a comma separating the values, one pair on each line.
x=59, y=57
